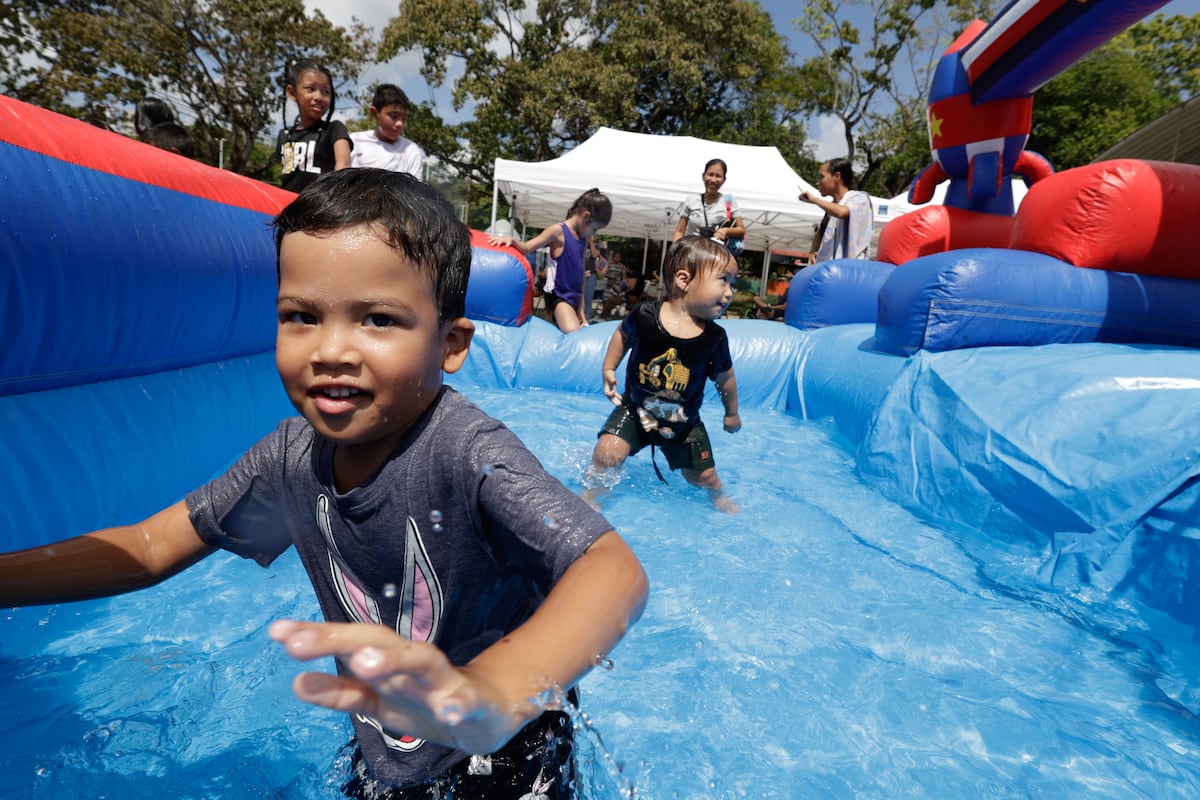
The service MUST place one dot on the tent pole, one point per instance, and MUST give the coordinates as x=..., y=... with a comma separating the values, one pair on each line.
x=495, y=198
x=762, y=287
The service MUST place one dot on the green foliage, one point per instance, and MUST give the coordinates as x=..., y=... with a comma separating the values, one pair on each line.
x=539, y=80
x=1108, y=95
x=220, y=61
x=1170, y=48
x=872, y=77
x=895, y=149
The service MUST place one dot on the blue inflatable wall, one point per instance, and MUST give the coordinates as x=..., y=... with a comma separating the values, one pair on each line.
x=137, y=363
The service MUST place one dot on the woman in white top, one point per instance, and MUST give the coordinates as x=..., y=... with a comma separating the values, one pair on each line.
x=845, y=232
x=703, y=214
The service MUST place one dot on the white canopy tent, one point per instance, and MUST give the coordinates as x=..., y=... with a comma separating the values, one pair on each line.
x=648, y=177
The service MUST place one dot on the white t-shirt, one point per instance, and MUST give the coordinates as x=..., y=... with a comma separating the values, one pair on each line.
x=404, y=155
x=700, y=215
x=849, y=237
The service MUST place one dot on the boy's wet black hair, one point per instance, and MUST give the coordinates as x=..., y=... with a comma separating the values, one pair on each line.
x=408, y=214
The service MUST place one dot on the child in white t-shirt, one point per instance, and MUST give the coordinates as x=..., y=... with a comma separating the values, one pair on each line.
x=384, y=146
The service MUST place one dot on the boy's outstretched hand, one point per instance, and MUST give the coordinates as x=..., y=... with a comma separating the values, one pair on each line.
x=407, y=687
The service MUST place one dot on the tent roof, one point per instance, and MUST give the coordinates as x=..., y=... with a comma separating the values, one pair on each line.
x=647, y=177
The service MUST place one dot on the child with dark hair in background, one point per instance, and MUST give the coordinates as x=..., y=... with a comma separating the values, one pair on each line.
x=315, y=143
x=465, y=588
x=151, y=111
x=157, y=124
x=673, y=346
x=172, y=137
x=384, y=146
x=567, y=241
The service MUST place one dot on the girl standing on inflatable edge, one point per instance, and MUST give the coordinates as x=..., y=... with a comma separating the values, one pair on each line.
x=567, y=241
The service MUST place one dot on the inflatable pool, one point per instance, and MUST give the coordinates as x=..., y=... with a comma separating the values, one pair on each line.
x=138, y=330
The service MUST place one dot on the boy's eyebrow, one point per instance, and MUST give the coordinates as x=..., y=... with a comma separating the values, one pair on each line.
x=363, y=303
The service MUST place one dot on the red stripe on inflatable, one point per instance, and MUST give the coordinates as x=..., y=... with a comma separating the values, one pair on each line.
x=75, y=142
x=479, y=239
x=1013, y=32
x=960, y=122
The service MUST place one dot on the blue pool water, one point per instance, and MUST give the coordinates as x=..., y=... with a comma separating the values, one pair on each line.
x=824, y=643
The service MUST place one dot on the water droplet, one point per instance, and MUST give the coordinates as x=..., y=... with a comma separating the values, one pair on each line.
x=487, y=469
x=389, y=590
x=602, y=661
x=550, y=522
x=437, y=528
x=435, y=516
x=451, y=713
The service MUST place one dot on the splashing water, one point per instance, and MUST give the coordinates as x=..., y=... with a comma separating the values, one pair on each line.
x=596, y=762
x=824, y=643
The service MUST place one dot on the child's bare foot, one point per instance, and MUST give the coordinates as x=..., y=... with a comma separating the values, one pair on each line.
x=723, y=502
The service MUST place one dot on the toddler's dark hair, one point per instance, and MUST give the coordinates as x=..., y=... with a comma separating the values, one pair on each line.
x=408, y=214
x=594, y=202
x=389, y=94
x=291, y=75
x=696, y=255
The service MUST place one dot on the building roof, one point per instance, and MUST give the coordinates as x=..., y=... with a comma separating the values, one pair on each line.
x=1175, y=136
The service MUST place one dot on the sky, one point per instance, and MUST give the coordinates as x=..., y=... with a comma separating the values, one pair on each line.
x=825, y=133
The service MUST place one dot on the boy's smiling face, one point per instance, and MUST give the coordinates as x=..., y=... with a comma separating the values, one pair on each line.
x=359, y=347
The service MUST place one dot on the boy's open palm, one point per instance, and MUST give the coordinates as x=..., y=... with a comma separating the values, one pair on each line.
x=407, y=687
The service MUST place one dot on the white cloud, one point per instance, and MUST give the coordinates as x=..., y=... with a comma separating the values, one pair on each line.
x=828, y=136
x=403, y=70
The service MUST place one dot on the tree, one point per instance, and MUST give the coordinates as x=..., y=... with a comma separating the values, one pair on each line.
x=873, y=65
x=1103, y=98
x=540, y=80
x=1169, y=47
x=220, y=60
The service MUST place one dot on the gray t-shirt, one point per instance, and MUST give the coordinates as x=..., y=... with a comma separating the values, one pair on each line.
x=455, y=540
